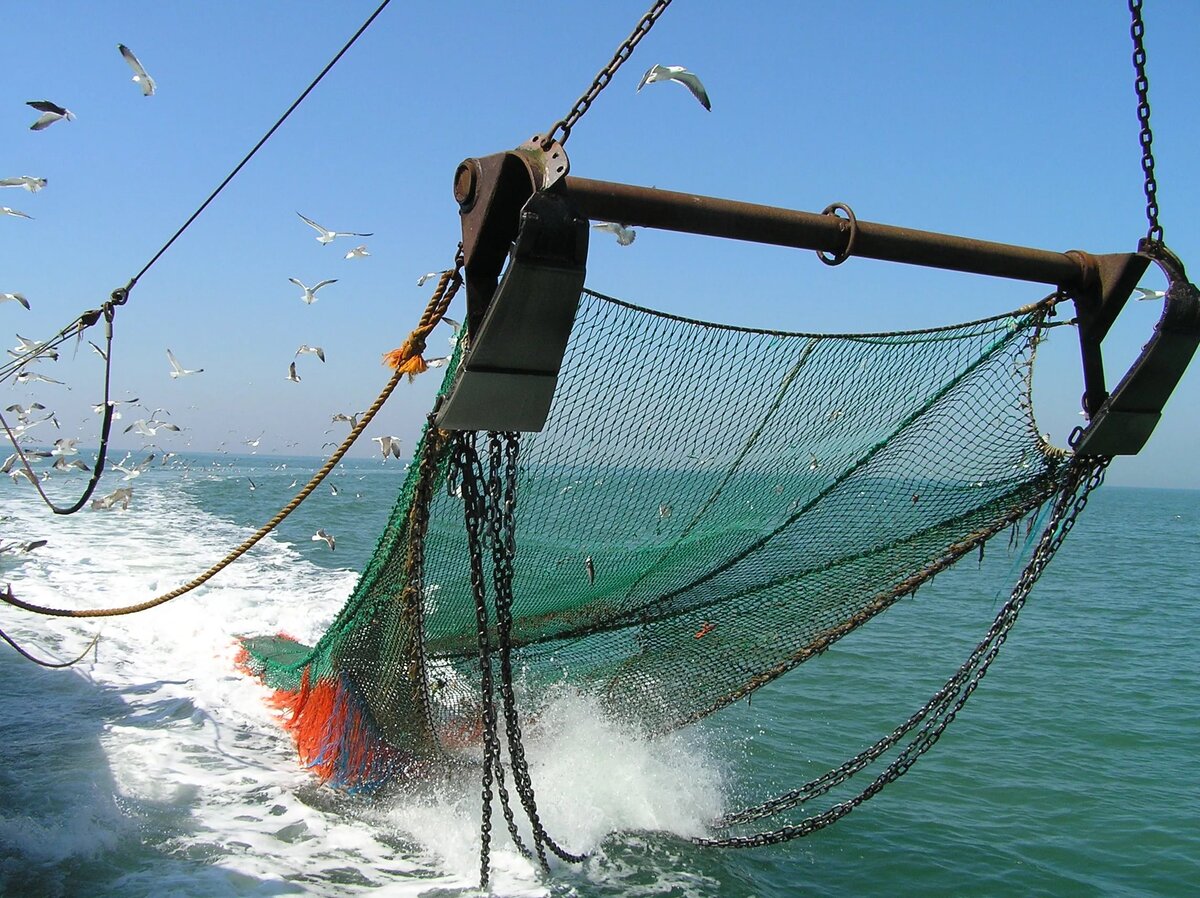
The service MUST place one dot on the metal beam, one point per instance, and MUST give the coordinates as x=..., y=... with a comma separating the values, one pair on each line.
x=689, y=213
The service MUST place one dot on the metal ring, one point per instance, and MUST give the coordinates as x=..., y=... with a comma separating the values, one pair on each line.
x=832, y=209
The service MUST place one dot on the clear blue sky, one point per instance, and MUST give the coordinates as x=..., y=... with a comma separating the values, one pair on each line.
x=1012, y=122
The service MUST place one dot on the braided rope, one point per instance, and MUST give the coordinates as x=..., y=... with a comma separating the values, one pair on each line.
x=410, y=364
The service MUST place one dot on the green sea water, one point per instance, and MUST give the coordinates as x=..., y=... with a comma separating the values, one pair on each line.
x=1069, y=772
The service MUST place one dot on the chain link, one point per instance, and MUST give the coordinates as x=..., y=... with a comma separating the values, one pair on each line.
x=489, y=503
x=1081, y=477
x=1141, y=85
x=606, y=74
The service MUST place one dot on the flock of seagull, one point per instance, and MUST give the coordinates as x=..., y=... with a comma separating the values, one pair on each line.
x=64, y=451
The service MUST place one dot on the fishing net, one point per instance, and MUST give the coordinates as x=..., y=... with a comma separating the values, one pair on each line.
x=707, y=507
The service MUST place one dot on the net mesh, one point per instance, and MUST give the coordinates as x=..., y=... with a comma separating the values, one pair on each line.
x=707, y=507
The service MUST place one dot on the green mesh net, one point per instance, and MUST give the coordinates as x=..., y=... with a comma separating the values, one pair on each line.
x=707, y=507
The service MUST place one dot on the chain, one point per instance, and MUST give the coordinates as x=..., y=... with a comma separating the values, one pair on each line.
x=601, y=80
x=489, y=509
x=1141, y=85
x=1081, y=477
x=503, y=534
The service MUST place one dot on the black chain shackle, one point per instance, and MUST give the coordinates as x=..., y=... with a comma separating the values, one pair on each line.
x=1141, y=86
x=1083, y=476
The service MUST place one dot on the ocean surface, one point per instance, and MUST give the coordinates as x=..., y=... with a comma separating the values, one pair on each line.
x=155, y=768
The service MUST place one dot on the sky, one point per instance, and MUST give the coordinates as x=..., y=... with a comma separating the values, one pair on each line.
x=1010, y=122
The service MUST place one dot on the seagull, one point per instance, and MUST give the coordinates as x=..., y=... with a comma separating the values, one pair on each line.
x=139, y=74
x=61, y=464
x=314, y=350
x=15, y=213
x=326, y=236
x=22, y=412
x=98, y=408
x=352, y=420
x=14, y=297
x=65, y=446
x=122, y=495
x=150, y=428
x=26, y=376
x=292, y=375
x=625, y=235
x=358, y=252
x=310, y=293
x=33, y=185
x=322, y=535
x=7, y=467
x=680, y=74
x=388, y=445
x=100, y=352
x=177, y=370
x=1143, y=293
x=33, y=347
x=427, y=275
x=137, y=469
x=51, y=113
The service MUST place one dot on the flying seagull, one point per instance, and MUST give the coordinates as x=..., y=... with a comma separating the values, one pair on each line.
x=326, y=236
x=427, y=275
x=14, y=297
x=680, y=74
x=51, y=113
x=27, y=346
x=177, y=370
x=15, y=213
x=1142, y=292
x=33, y=185
x=358, y=252
x=139, y=73
x=625, y=235
x=314, y=350
x=322, y=535
x=310, y=293
x=120, y=495
x=292, y=375
x=27, y=376
x=388, y=445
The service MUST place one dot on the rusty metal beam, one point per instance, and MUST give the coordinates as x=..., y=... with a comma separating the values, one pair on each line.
x=689, y=213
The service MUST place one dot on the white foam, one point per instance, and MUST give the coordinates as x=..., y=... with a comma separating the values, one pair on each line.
x=199, y=768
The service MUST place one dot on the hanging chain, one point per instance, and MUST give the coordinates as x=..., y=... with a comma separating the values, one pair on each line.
x=1141, y=85
x=489, y=503
x=1083, y=476
x=601, y=81
x=466, y=461
x=503, y=496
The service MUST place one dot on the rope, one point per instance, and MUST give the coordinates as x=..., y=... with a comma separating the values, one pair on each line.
x=447, y=286
x=51, y=664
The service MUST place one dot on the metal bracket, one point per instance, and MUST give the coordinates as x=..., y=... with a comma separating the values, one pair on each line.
x=518, y=325
x=1121, y=422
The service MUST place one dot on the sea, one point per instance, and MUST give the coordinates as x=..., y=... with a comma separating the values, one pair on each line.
x=154, y=767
